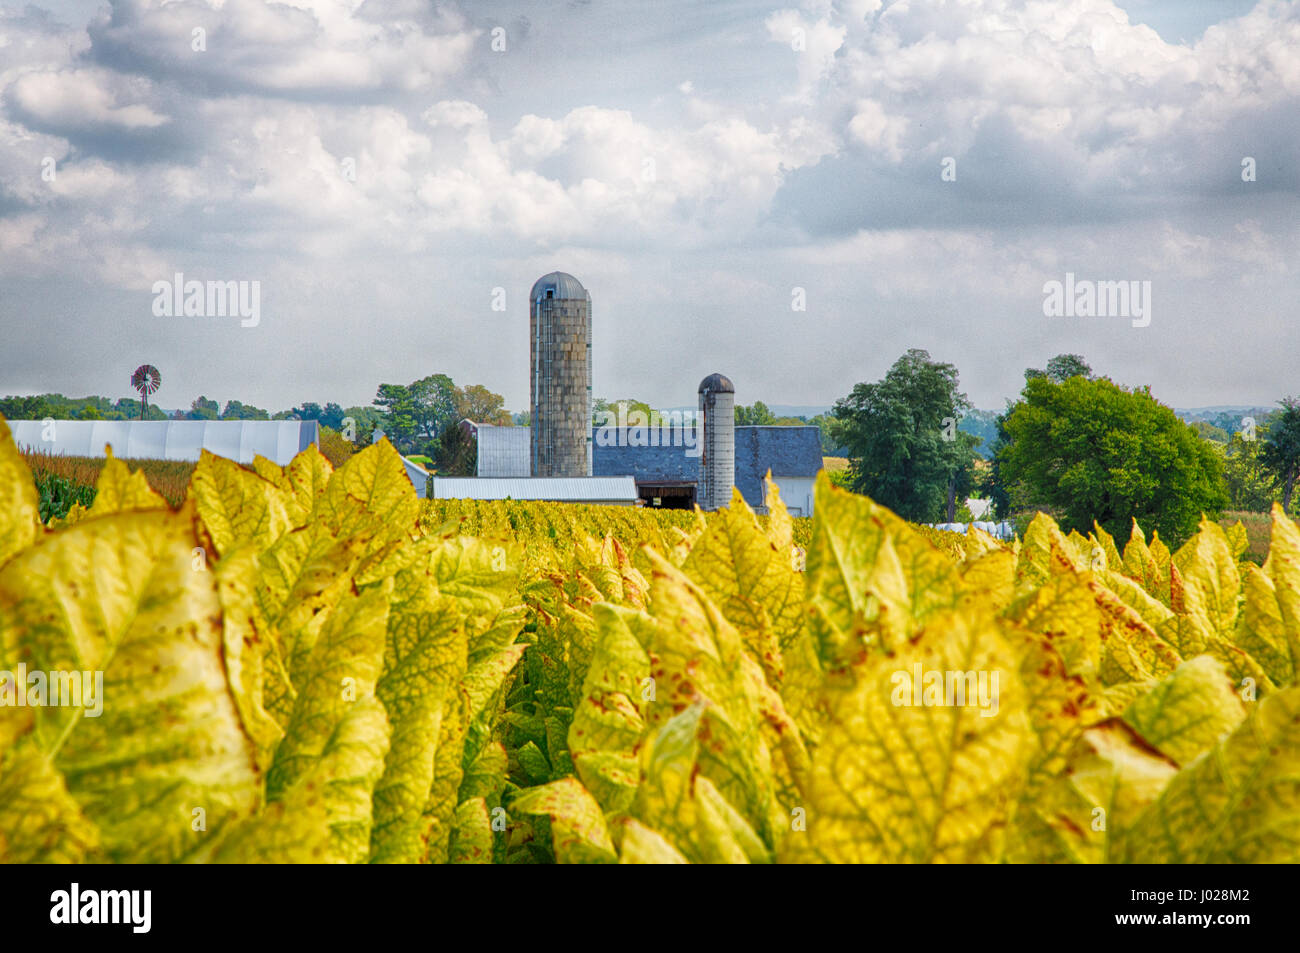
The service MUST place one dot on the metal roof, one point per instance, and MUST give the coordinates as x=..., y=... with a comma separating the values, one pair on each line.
x=619, y=489
x=718, y=384
x=418, y=476
x=240, y=440
x=503, y=451
x=561, y=283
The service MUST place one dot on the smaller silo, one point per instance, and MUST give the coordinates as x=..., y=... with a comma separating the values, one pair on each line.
x=718, y=462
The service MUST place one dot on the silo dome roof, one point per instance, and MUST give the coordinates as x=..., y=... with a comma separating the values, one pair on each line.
x=718, y=384
x=561, y=283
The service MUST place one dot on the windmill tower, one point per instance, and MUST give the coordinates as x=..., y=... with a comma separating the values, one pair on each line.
x=146, y=380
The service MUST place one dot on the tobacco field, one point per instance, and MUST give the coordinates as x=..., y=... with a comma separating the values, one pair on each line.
x=309, y=664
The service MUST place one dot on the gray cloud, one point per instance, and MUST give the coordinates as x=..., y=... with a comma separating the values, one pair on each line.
x=382, y=170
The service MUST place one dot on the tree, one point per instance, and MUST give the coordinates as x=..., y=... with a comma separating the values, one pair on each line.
x=90, y=412
x=1096, y=451
x=624, y=412
x=433, y=401
x=1207, y=431
x=755, y=415
x=417, y=413
x=456, y=452
x=475, y=402
x=331, y=415
x=236, y=410
x=308, y=410
x=1250, y=485
x=37, y=407
x=1281, y=452
x=901, y=435
x=203, y=409
x=831, y=446
x=1061, y=368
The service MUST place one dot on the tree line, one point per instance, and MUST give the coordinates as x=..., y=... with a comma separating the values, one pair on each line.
x=1074, y=443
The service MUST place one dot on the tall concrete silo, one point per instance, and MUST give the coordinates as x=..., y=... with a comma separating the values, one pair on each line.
x=718, y=462
x=560, y=360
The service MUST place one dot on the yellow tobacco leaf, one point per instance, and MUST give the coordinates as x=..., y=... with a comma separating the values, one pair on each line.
x=1065, y=610
x=868, y=571
x=1152, y=610
x=780, y=526
x=1261, y=631
x=1283, y=567
x=1238, y=539
x=577, y=824
x=683, y=805
x=425, y=658
x=607, y=724
x=119, y=490
x=471, y=834
x=1046, y=552
x=269, y=470
x=1060, y=706
x=1131, y=649
x=1084, y=812
x=696, y=658
x=641, y=845
x=1237, y=803
x=371, y=494
x=991, y=575
x=1210, y=583
x=1186, y=712
x=236, y=505
x=306, y=478
x=40, y=822
x=1140, y=564
x=116, y=604
x=751, y=580
x=924, y=754
x=251, y=653
x=338, y=672
x=20, y=507
x=1110, y=553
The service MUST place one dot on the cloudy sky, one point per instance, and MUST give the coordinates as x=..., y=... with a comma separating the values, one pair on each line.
x=382, y=167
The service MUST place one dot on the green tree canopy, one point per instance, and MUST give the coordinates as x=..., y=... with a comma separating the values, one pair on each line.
x=1281, y=452
x=1250, y=485
x=455, y=453
x=1207, y=431
x=1062, y=368
x=904, y=448
x=1094, y=450
x=237, y=410
x=203, y=409
x=755, y=415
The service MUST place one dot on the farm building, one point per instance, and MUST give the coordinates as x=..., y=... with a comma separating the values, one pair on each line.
x=670, y=472
x=239, y=440
x=696, y=459
x=609, y=490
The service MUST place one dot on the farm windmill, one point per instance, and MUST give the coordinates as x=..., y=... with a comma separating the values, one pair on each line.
x=145, y=379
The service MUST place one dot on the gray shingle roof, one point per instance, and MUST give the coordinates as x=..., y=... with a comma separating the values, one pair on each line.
x=786, y=451
x=674, y=463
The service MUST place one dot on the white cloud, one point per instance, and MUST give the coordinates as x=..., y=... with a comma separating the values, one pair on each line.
x=81, y=98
